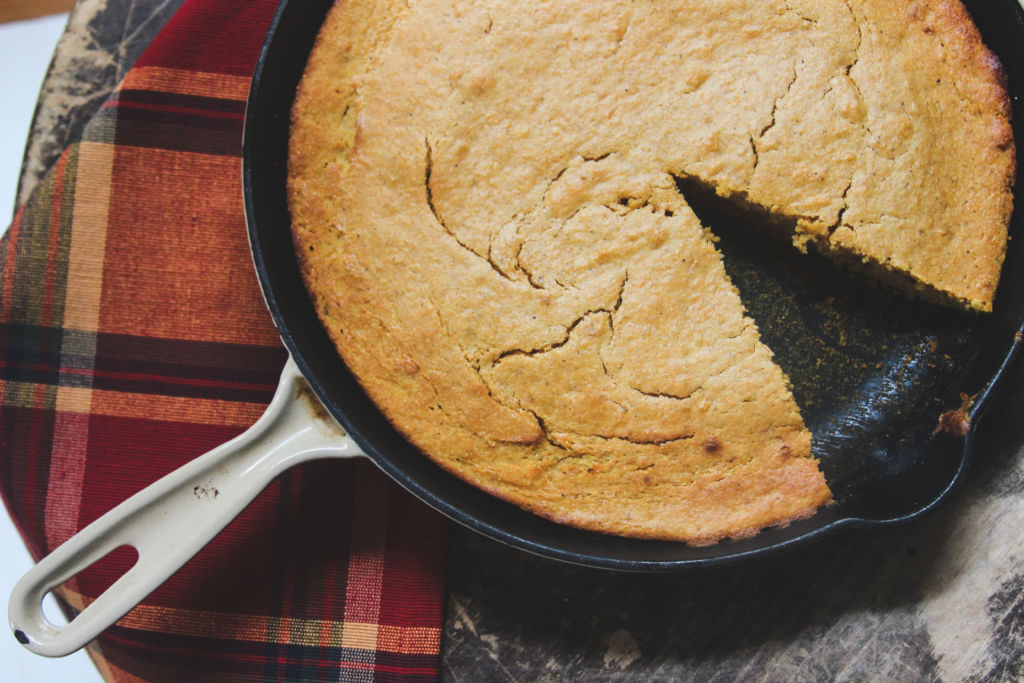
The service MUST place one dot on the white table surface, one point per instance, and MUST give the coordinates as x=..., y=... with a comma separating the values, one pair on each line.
x=25, y=51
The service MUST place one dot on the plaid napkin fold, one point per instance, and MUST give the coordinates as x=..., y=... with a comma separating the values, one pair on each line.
x=133, y=338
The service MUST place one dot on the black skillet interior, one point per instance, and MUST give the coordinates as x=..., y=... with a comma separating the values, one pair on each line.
x=871, y=371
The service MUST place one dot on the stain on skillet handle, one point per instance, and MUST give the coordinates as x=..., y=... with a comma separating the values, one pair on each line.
x=172, y=519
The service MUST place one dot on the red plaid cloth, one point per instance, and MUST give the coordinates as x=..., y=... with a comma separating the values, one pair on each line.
x=133, y=338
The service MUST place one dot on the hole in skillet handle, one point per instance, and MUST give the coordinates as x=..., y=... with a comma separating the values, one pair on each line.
x=52, y=611
x=888, y=484
x=57, y=611
x=90, y=581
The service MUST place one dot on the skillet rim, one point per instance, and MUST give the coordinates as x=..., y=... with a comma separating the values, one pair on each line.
x=304, y=338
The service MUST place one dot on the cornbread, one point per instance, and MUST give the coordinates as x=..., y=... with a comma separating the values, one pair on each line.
x=486, y=207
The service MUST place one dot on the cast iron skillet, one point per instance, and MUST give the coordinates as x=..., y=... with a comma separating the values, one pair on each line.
x=871, y=372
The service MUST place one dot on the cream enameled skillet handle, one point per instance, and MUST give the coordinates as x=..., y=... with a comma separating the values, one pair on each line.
x=171, y=520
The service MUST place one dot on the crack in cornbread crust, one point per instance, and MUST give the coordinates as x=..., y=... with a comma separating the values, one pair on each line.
x=522, y=289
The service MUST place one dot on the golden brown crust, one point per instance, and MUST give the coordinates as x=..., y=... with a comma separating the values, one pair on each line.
x=485, y=216
x=953, y=158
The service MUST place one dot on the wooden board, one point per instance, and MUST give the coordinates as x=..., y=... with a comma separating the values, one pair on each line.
x=16, y=10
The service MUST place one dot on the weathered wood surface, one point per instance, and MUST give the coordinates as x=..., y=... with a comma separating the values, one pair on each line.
x=102, y=40
x=940, y=598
